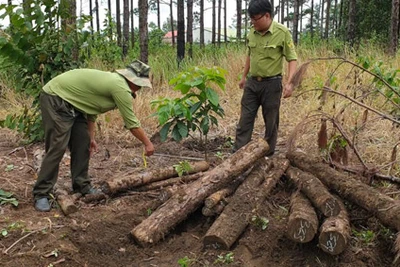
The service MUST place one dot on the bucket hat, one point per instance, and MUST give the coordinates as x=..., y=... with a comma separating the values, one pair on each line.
x=137, y=72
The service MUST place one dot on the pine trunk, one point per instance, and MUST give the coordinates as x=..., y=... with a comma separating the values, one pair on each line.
x=186, y=201
x=247, y=198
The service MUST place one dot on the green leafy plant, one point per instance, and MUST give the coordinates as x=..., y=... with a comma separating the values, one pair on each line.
x=225, y=259
x=4, y=232
x=367, y=236
x=35, y=50
x=149, y=211
x=7, y=198
x=182, y=167
x=260, y=221
x=197, y=109
x=185, y=261
x=9, y=168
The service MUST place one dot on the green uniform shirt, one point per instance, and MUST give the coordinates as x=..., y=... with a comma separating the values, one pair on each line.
x=267, y=51
x=94, y=92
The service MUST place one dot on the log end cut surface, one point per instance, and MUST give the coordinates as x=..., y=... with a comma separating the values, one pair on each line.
x=301, y=230
x=332, y=242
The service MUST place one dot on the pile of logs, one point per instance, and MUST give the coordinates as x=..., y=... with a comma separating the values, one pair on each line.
x=233, y=190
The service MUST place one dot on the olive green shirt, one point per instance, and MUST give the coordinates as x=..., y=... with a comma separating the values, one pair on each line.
x=267, y=51
x=94, y=92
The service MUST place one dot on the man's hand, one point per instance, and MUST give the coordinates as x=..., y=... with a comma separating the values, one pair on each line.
x=241, y=83
x=149, y=149
x=288, y=90
x=93, y=147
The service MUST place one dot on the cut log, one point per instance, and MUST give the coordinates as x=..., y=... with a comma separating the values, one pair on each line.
x=214, y=210
x=127, y=181
x=169, y=182
x=315, y=190
x=219, y=196
x=303, y=221
x=385, y=208
x=186, y=201
x=335, y=232
x=249, y=195
x=66, y=201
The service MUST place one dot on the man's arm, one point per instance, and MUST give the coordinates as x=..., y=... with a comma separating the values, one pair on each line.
x=288, y=89
x=142, y=137
x=245, y=72
x=93, y=144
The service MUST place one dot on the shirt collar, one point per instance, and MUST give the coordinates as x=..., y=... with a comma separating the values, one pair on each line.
x=271, y=28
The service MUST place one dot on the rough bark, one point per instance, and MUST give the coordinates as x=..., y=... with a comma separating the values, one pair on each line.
x=184, y=202
x=335, y=232
x=315, y=190
x=66, y=201
x=383, y=207
x=214, y=210
x=303, y=221
x=249, y=195
x=169, y=182
x=220, y=195
x=127, y=181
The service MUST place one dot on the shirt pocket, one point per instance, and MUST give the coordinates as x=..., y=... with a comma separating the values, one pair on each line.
x=272, y=51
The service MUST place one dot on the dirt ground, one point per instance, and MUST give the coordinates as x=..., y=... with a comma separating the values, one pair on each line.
x=98, y=234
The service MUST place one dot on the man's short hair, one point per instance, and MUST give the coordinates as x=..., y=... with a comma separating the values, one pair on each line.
x=257, y=7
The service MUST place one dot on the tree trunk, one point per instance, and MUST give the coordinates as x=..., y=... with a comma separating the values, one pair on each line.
x=171, y=9
x=143, y=29
x=132, y=26
x=335, y=232
x=202, y=24
x=127, y=181
x=213, y=211
x=322, y=18
x=68, y=24
x=125, y=40
x=313, y=188
x=351, y=29
x=383, y=207
x=248, y=197
x=303, y=221
x=110, y=33
x=225, y=25
x=213, y=31
x=97, y=16
x=328, y=17
x=282, y=11
x=118, y=17
x=239, y=21
x=159, y=14
x=295, y=21
x=181, y=204
x=189, y=29
x=91, y=16
x=66, y=201
x=394, y=28
x=219, y=22
x=312, y=20
x=181, y=31
x=169, y=182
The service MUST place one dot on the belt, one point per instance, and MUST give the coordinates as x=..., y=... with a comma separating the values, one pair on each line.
x=260, y=79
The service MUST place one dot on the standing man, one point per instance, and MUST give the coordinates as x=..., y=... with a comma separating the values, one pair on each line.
x=70, y=104
x=268, y=43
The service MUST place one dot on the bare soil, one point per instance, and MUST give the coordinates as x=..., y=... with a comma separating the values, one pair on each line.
x=98, y=234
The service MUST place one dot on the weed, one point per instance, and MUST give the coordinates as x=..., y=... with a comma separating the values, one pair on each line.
x=182, y=167
x=228, y=258
x=185, y=261
x=260, y=221
x=149, y=211
x=366, y=236
x=7, y=198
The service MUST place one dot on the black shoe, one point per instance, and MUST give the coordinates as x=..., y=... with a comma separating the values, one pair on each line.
x=93, y=191
x=42, y=204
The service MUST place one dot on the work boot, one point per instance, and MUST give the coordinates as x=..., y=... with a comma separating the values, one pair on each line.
x=42, y=204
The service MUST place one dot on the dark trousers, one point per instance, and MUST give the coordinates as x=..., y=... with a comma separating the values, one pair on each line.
x=267, y=94
x=64, y=127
